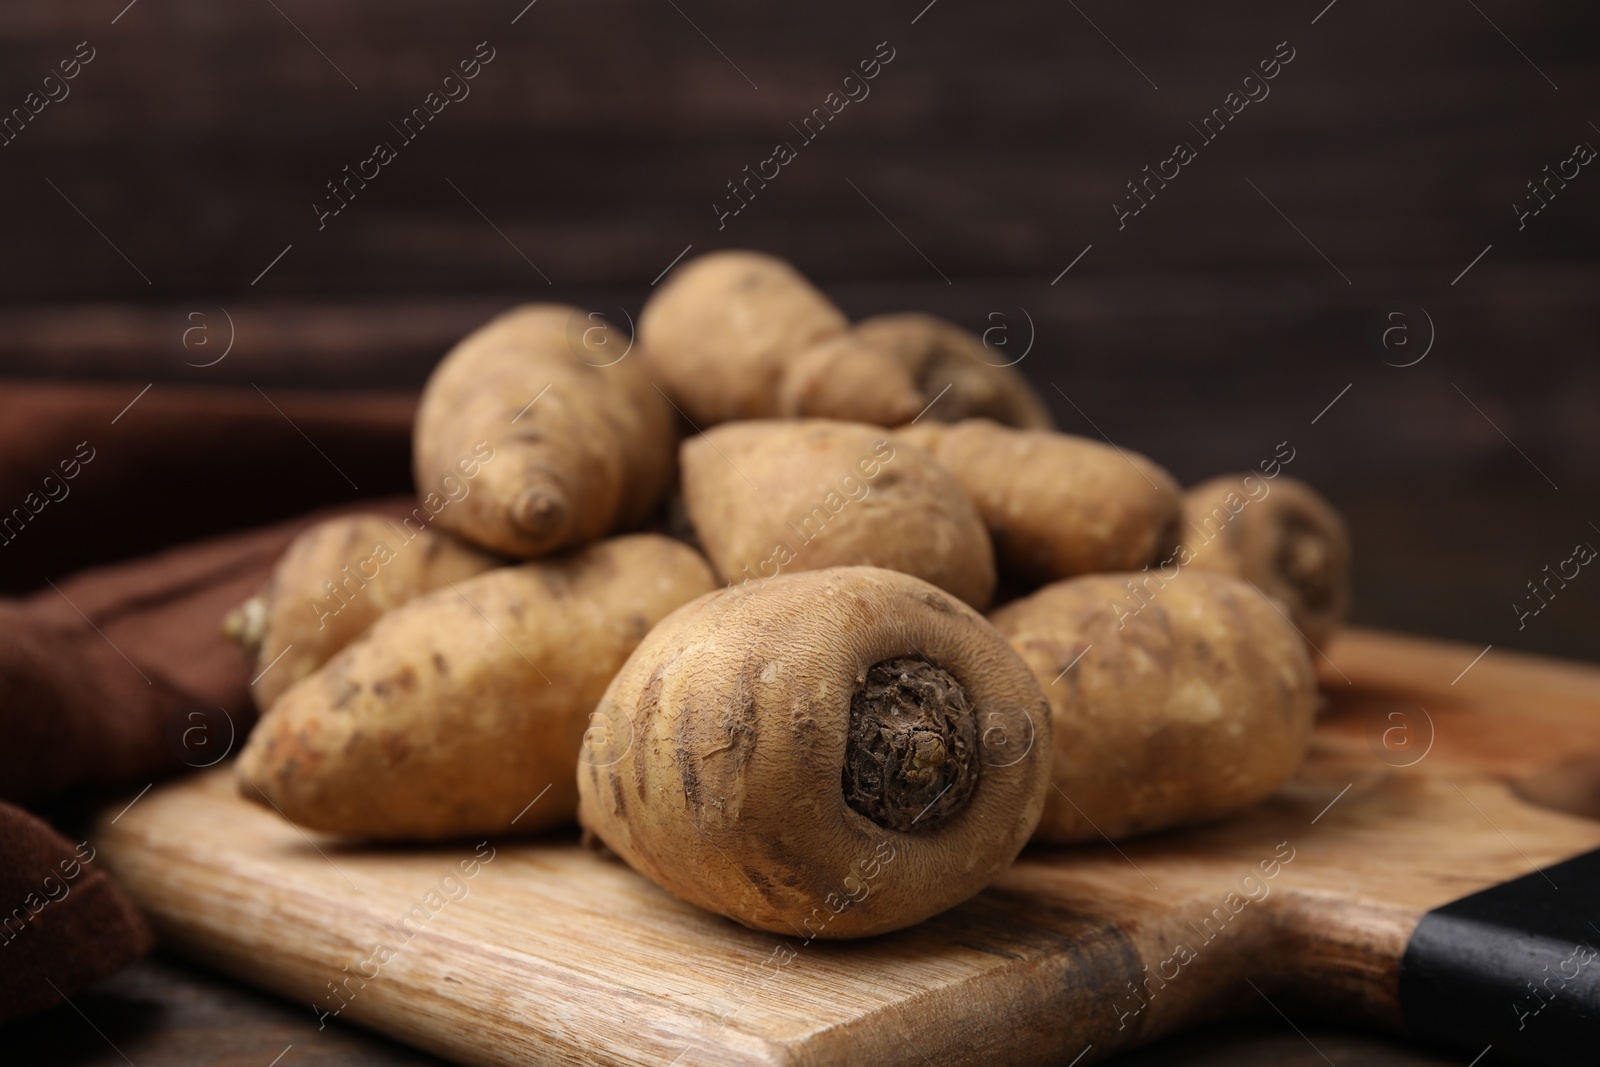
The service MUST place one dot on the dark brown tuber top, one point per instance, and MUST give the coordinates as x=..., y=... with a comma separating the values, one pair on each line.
x=1304, y=560
x=911, y=760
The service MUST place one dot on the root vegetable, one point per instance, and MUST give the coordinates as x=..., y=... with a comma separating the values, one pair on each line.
x=1057, y=505
x=889, y=369
x=334, y=581
x=455, y=711
x=1172, y=701
x=1281, y=535
x=721, y=331
x=563, y=439
x=834, y=754
x=767, y=496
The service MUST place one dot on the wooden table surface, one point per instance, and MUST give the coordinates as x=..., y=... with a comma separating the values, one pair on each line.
x=166, y=1011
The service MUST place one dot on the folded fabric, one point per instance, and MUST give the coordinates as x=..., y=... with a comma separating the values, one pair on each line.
x=63, y=924
x=95, y=473
x=122, y=673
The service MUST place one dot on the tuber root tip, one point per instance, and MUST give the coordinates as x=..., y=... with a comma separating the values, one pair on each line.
x=246, y=625
x=539, y=513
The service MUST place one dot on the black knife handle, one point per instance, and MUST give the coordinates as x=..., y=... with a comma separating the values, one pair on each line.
x=1515, y=967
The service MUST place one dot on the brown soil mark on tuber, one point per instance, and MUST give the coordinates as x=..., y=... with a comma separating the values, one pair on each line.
x=911, y=760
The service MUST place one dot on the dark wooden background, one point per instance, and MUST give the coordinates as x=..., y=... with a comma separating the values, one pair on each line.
x=985, y=159
x=595, y=143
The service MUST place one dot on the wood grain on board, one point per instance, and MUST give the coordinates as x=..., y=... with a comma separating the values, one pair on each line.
x=540, y=951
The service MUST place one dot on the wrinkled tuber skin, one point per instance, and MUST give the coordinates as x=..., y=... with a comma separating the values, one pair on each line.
x=719, y=333
x=752, y=725
x=454, y=711
x=769, y=496
x=1278, y=533
x=335, y=580
x=1172, y=701
x=890, y=369
x=566, y=437
x=1057, y=505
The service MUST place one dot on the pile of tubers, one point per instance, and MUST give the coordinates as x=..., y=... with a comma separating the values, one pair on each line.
x=722, y=603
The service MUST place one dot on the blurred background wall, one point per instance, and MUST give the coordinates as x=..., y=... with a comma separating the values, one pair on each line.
x=1362, y=233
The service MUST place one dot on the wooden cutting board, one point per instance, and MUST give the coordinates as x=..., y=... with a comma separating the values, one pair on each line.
x=1426, y=784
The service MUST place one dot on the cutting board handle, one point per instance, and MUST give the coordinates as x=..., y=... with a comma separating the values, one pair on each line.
x=1514, y=968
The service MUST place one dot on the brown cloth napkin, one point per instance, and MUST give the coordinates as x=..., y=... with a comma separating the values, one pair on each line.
x=122, y=672
x=95, y=473
x=63, y=924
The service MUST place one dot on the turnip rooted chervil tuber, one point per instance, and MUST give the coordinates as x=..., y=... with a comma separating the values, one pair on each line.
x=334, y=581
x=1278, y=533
x=893, y=369
x=742, y=335
x=455, y=712
x=771, y=495
x=1057, y=505
x=830, y=754
x=1173, y=701
x=575, y=442
x=721, y=330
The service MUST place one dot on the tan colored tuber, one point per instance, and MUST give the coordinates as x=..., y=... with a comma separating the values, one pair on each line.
x=456, y=712
x=568, y=438
x=1172, y=701
x=890, y=369
x=332, y=582
x=1057, y=505
x=833, y=754
x=770, y=496
x=1279, y=533
x=721, y=331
